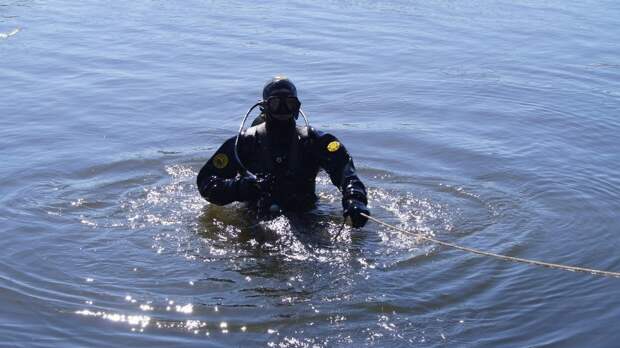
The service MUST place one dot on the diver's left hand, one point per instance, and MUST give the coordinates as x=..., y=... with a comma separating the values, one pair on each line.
x=353, y=209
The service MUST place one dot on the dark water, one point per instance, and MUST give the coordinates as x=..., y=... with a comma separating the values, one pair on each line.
x=489, y=124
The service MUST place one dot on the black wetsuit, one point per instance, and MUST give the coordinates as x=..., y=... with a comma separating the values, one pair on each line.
x=291, y=157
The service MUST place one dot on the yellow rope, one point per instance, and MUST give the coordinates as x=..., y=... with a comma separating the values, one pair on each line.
x=498, y=256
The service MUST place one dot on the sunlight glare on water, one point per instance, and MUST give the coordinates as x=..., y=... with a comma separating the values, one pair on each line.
x=488, y=124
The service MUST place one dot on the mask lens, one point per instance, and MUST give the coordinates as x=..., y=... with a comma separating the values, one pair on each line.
x=292, y=104
x=283, y=107
x=273, y=104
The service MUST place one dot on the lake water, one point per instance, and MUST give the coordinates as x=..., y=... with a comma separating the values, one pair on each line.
x=491, y=124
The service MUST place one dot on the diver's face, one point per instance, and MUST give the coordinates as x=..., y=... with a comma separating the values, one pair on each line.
x=282, y=106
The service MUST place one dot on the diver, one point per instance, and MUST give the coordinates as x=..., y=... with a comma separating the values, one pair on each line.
x=272, y=166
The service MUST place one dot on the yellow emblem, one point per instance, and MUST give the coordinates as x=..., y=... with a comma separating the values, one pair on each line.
x=220, y=161
x=333, y=146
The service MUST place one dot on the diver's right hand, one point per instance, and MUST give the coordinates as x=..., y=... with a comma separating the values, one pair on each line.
x=248, y=189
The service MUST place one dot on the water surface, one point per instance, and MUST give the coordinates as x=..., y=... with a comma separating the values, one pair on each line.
x=489, y=124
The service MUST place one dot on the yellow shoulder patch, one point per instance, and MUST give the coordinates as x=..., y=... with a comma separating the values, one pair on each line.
x=333, y=146
x=220, y=161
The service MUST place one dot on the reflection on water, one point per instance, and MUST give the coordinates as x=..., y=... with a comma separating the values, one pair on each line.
x=291, y=263
x=491, y=125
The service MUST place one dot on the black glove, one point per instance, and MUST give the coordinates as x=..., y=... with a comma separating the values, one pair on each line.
x=353, y=209
x=248, y=189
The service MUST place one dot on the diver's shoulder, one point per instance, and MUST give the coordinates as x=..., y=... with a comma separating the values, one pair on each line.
x=244, y=137
x=227, y=146
x=322, y=137
x=252, y=135
x=253, y=131
x=320, y=141
x=310, y=132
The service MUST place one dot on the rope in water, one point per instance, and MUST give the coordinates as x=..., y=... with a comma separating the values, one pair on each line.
x=498, y=256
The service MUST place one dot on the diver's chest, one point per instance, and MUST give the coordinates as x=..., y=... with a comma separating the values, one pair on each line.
x=283, y=162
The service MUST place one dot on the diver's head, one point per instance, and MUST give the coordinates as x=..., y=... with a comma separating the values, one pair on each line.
x=280, y=101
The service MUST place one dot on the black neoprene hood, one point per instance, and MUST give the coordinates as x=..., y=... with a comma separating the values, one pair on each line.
x=278, y=84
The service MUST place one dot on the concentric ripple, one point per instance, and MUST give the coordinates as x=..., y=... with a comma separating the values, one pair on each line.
x=206, y=270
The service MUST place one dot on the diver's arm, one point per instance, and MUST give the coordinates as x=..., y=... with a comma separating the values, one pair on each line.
x=217, y=180
x=335, y=159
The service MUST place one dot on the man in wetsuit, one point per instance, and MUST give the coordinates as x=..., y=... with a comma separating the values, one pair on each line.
x=286, y=160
